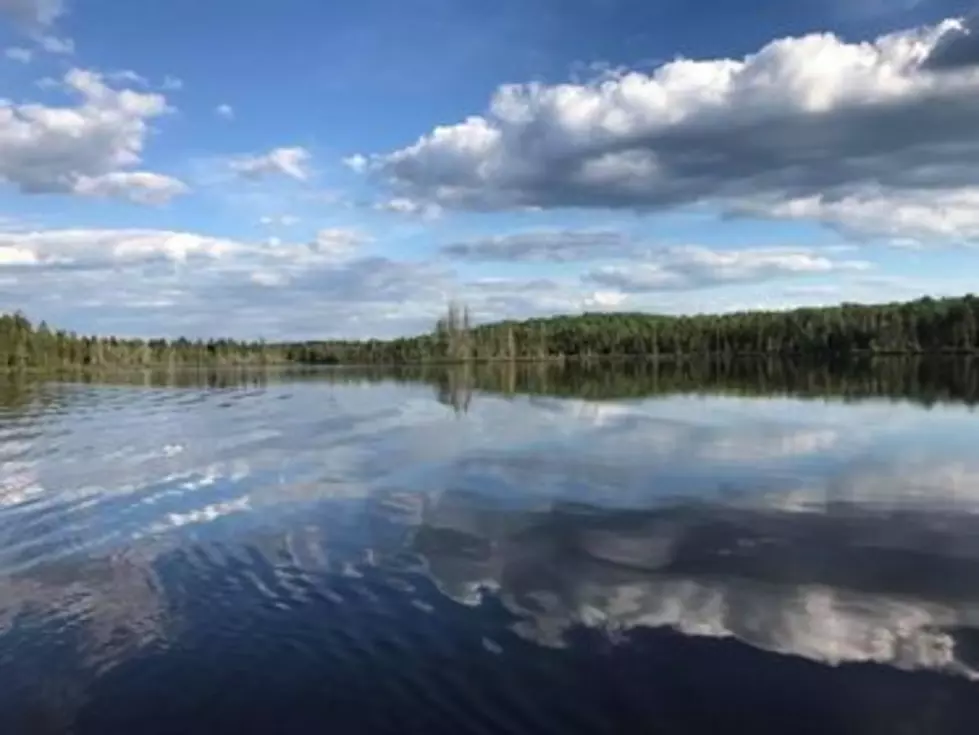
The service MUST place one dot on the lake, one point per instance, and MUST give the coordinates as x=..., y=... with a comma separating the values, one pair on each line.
x=699, y=548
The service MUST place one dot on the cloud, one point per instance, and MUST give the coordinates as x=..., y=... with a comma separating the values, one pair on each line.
x=285, y=220
x=606, y=299
x=356, y=163
x=409, y=207
x=692, y=267
x=171, y=83
x=84, y=149
x=226, y=111
x=77, y=250
x=141, y=187
x=554, y=246
x=812, y=116
x=33, y=14
x=57, y=45
x=291, y=162
x=957, y=48
x=174, y=282
x=498, y=298
x=871, y=9
x=338, y=242
x=127, y=76
x=18, y=53
x=915, y=217
x=92, y=249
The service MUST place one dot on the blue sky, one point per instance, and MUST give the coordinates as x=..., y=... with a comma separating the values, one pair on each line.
x=310, y=169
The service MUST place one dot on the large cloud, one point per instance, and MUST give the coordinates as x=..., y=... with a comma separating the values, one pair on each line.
x=691, y=267
x=803, y=117
x=86, y=149
x=173, y=282
x=145, y=281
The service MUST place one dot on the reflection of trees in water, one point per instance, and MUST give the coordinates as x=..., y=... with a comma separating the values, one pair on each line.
x=923, y=380
x=24, y=392
x=926, y=381
x=455, y=387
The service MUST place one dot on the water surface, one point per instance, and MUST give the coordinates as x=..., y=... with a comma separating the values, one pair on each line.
x=523, y=549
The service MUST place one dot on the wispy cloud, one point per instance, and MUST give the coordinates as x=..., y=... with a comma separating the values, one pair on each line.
x=292, y=162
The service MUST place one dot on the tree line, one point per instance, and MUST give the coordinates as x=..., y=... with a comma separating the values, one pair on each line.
x=924, y=326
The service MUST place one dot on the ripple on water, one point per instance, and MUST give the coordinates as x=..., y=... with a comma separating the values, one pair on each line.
x=308, y=555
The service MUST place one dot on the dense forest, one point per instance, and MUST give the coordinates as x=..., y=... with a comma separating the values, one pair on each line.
x=925, y=326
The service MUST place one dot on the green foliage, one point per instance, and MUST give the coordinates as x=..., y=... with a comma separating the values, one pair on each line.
x=24, y=346
x=925, y=326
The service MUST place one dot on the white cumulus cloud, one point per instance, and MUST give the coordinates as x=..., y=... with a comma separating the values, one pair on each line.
x=84, y=149
x=810, y=118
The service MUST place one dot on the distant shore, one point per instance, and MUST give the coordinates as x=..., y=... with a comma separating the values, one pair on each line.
x=948, y=326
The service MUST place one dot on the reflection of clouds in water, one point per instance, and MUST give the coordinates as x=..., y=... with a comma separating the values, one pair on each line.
x=817, y=623
x=114, y=463
x=590, y=413
x=136, y=459
x=778, y=582
x=922, y=482
x=903, y=483
x=769, y=443
x=116, y=601
x=146, y=521
x=639, y=452
x=120, y=463
x=202, y=515
x=18, y=483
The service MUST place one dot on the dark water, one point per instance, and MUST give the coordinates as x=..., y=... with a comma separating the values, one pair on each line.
x=694, y=549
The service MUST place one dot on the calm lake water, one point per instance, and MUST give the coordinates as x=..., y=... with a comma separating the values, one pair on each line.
x=763, y=549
